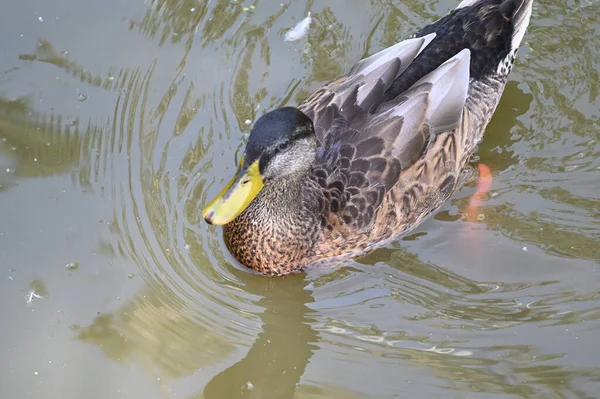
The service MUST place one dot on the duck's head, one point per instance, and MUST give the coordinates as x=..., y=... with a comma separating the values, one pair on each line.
x=282, y=143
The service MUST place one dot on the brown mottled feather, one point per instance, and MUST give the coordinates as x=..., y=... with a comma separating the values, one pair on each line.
x=360, y=166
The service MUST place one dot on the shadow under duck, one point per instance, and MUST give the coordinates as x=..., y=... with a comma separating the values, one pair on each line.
x=369, y=155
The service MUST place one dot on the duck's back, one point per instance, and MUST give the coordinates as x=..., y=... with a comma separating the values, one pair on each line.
x=396, y=132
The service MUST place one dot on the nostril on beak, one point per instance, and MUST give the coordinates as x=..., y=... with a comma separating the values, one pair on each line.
x=209, y=217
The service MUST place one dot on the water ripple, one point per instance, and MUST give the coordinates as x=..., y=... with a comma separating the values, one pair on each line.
x=497, y=311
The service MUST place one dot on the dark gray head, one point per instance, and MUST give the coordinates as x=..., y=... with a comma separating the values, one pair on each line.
x=283, y=141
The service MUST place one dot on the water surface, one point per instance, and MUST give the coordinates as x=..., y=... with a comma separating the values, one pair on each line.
x=118, y=120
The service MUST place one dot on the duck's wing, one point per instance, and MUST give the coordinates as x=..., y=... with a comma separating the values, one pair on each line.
x=363, y=88
x=366, y=144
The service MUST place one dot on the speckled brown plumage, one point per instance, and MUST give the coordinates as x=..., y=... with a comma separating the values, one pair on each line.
x=392, y=137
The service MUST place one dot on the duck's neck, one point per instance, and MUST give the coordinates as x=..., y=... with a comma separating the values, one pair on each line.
x=279, y=227
x=280, y=199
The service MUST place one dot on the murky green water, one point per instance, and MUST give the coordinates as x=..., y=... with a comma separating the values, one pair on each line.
x=118, y=120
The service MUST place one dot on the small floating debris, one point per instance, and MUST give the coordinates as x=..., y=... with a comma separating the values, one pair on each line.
x=31, y=296
x=72, y=266
x=298, y=31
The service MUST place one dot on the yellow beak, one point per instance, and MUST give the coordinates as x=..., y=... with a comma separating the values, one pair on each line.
x=236, y=196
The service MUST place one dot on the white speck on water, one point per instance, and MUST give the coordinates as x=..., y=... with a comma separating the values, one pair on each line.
x=7, y=170
x=298, y=31
x=463, y=353
x=41, y=19
x=31, y=296
x=72, y=266
x=524, y=249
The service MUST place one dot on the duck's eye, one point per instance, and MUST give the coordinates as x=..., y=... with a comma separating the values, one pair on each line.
x=284, y=146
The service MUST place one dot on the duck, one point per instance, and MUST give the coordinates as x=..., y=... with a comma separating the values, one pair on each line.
x=371, y=154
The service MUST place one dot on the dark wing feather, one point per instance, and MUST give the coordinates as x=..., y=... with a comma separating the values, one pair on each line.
x=365, y=143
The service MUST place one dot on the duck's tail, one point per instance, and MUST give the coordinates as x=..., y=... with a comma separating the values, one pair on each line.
x=517, y=12
x=492, y=30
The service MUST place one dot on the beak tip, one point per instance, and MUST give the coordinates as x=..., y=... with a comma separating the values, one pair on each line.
x=209, y=217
